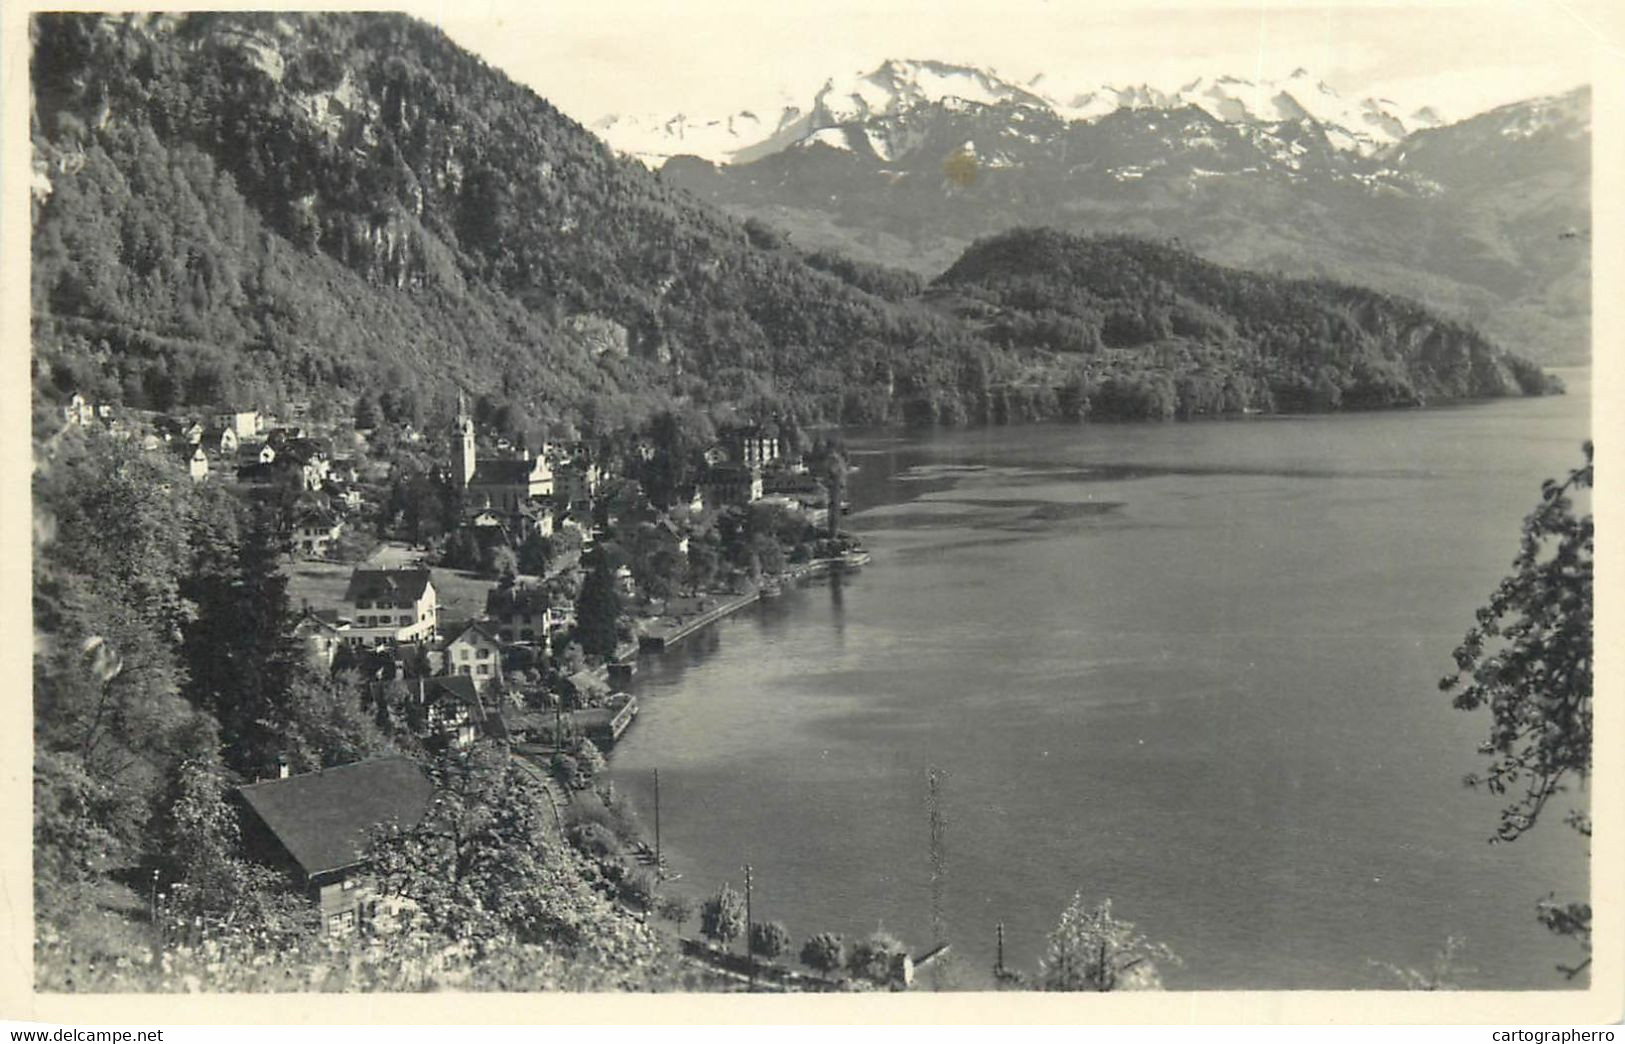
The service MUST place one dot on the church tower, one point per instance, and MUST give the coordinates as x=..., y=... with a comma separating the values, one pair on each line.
x=463, y=458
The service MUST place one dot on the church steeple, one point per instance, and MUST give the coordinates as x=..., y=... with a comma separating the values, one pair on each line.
x=463, y=459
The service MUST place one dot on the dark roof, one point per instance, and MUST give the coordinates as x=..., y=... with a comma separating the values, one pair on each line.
x=456, y=686
x=478, y=628
x=501, y=601
x=317, y=516
x=373, y=584
x=303, y=450
x=315, y=620
x=323, y=818
x=502, y=472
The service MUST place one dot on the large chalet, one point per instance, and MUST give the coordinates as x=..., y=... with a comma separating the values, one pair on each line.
x=317, y=825
x=390, y=605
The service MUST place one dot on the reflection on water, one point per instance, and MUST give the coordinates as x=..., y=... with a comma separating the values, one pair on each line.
x=1190, y=667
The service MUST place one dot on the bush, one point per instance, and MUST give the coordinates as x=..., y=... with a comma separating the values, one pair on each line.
x=677, y=909
x=596, y=841
x=566, y=770
x=638, y=888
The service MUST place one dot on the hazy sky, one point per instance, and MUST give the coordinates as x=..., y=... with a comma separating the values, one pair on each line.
x=592, y=57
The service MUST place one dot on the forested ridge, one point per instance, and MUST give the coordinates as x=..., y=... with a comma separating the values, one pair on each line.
x=258, y=208
x=1160, y=332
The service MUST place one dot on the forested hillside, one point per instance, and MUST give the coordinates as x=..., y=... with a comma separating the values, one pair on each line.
x=259, y=208
x=1164, y=333
x=347, y=198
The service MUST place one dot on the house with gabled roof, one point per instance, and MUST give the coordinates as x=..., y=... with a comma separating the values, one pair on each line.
x=223, y=441
x=391, y=605
x=449, y=707
x=322, y=634
x=476, y=652
x=521, y=613
x=196, y=461
x=316, y=530
x=318, y=825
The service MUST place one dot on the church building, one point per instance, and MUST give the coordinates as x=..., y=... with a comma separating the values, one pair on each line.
x=503, y=483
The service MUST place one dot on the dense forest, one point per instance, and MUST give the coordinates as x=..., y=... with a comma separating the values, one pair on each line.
x=234, y=208
x=1158, y=332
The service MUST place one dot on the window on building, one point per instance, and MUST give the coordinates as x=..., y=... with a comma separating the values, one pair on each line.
x=341, y=922
x=349, y=884
x=483, y=669
x=484, y=653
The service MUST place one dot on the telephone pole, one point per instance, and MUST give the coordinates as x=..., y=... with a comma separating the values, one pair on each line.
x=660, y=867
x=939, y=869
x=750, y=955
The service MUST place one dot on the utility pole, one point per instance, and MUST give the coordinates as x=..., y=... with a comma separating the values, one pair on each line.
x=939, y=870
x=998, y=967
x=750, y=956
x=660, y=867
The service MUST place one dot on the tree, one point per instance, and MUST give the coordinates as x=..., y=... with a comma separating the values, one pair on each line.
x=598, y=610
x=241, y=653
x=499, y=560
x=702, y=562
x=722, y=917
x=197, y=835
x=1092, y=950
x=874, y=959
x=483, y=865
x=769, y=939
x=1529, y=660
x=677, y=909
x=366, y=412
x=824, y=953
x=835, y=471
x=590, y=758
x=535, y=552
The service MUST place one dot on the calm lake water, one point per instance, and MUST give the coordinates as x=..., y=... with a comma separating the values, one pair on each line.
x=1189, y=667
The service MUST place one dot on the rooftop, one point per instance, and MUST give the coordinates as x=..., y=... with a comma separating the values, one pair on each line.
x=386, y=585
x=323, y=818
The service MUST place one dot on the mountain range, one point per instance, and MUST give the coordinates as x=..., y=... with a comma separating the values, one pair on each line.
x=863, y=103
x=258, y=208
x=1481, y=218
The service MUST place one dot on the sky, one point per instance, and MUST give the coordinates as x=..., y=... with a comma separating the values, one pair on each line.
x=709, y=57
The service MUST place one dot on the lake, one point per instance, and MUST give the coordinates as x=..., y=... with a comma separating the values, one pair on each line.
x=1189, y=667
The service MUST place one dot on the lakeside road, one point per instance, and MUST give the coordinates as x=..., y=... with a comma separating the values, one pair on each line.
x=666, y=629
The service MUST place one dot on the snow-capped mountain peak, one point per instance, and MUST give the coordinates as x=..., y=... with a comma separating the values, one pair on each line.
x=867, y=105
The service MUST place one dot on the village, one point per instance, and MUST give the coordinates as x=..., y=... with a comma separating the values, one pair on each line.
x=470, y=597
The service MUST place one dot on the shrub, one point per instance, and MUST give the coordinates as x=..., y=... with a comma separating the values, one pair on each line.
x=677, y=909
x=638, y=888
